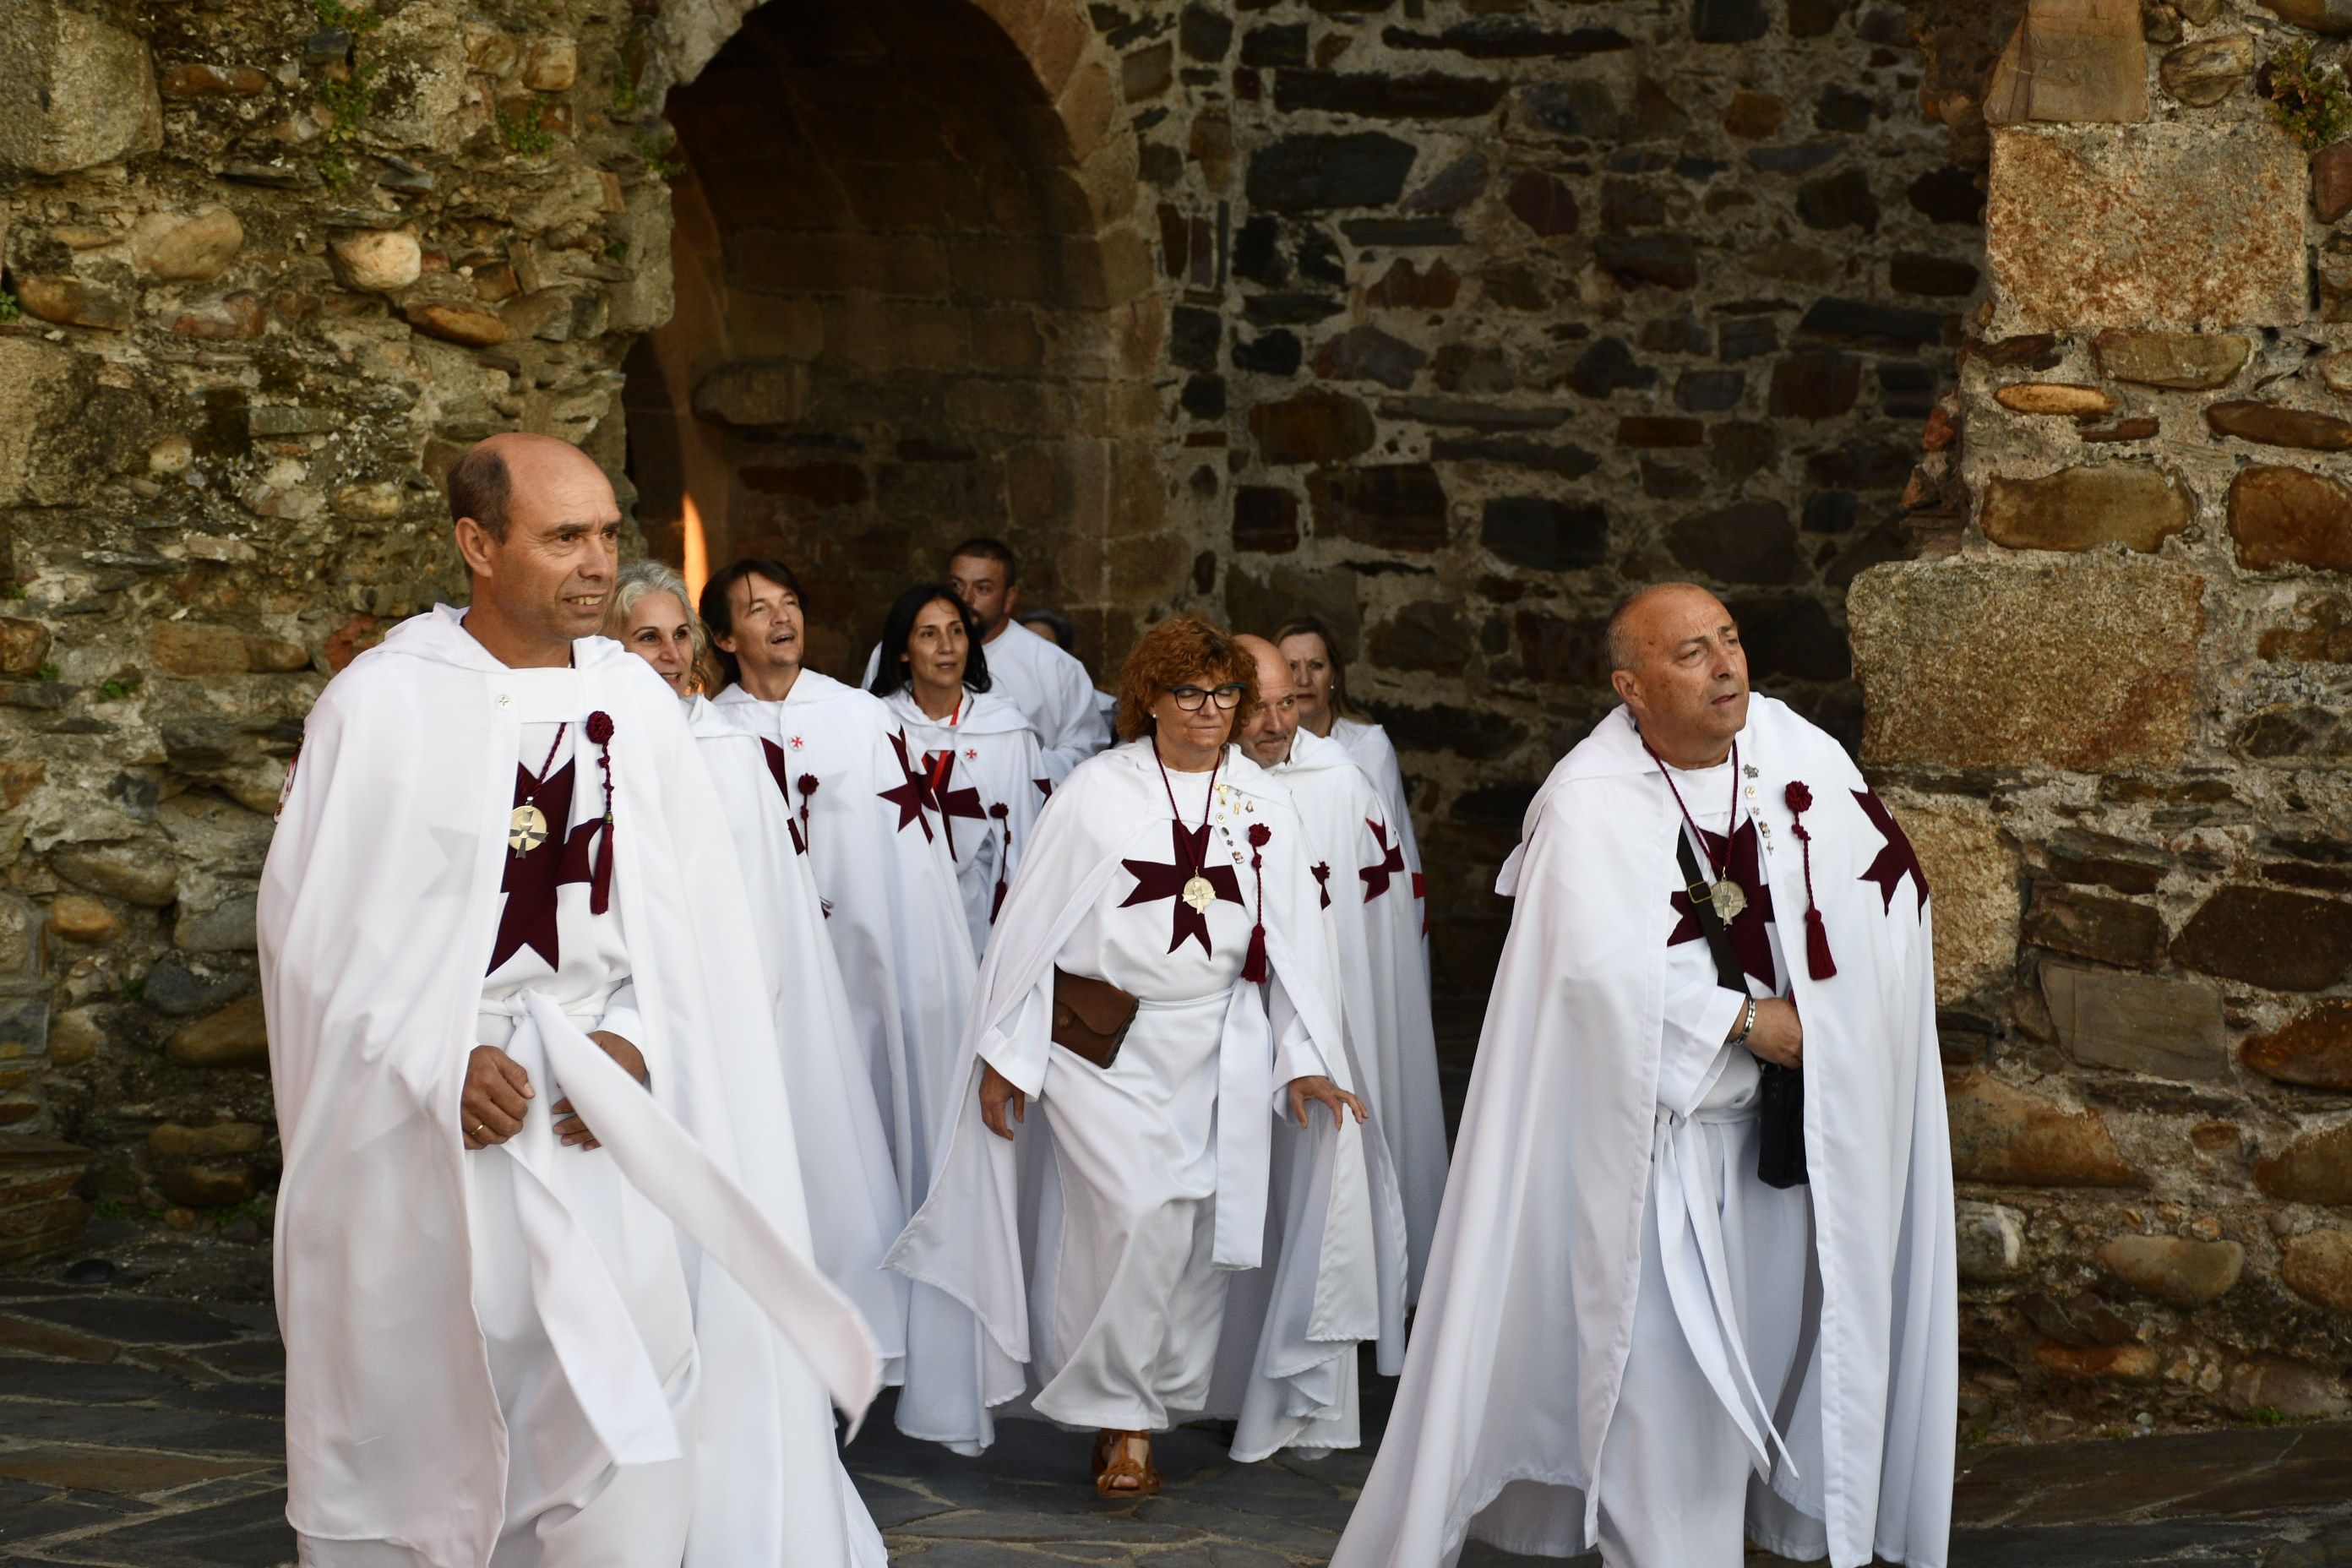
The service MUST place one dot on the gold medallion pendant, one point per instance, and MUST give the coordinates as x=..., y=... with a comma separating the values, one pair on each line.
x=1727, y=899
x=526, y=829
x=1198, y=893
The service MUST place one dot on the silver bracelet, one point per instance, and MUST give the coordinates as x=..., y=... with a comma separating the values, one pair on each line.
x=1746, y=1024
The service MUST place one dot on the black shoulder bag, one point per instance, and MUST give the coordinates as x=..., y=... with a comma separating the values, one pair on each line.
x=1781, y=1093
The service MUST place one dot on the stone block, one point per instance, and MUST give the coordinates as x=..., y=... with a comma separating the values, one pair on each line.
x=1752, y=542
x=2315, y=1167
x=1972, y=865
x=2291, y=517
x=2135, y=1023
x=76, y=917
x=38, y=1212
x=74, y=91
x=2099, y=1363
x=236, y=1037
x=2160, y=225
x=1393, y=506
x=2187, y=362
x=2320, y=16
x=1323, y=173
x=1367, y=353
x=2331, y=181
x=2318, y=1266
x=2313, y=1049
x=2136, y=505
x=2007, y=1136
x=226, y=926
x=72, y=302
x=181, y=248
x=171, y=1140
x=377, y=260
x=137, y=874
x=1544, y=203
x=2268, y=937
x=1266, y=520
x=193, y=81
x=24, y=646
x=2091, y=665
x=1315, y=427
x=2204, y=73
x=1992, y=1242
x=1545, y=535
x=2078, y=60
x=2272, y=425
x=190, y=647
x=456, y=321
x=754, y=393
x=2055, y=397
x=2270, y=1387
x=2080, y=855
x=2175, y=1270
x=2093, y=926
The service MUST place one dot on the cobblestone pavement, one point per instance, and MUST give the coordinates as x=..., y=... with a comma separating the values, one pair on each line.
x=144, y=1432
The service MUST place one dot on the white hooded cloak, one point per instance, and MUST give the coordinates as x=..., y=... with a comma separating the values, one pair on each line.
x=1374, y=920
x=1329, y=1225
x=855, y=1208
x=378, y=906
x=1528, y=1309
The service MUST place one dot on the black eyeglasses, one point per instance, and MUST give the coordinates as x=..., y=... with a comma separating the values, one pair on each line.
x=1190, y=698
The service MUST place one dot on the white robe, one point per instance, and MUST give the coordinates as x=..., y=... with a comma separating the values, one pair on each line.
x=1368, y=744
x=1374, y=922
x=1049, y=686
x=1531, y=1306
x=379, y=907
x=856, y=1211
x=892, y=905
x=987, y=780
x=1189, y=1119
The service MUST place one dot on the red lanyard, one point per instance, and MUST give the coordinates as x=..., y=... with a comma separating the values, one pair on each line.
x=1721, y=869
x=1207, y=801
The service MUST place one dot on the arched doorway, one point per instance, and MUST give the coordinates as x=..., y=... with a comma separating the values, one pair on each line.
x=912, y=306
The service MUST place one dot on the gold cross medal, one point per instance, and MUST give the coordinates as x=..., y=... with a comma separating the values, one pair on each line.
x=1727, y=899
x=526, y=829
x=1198, y=893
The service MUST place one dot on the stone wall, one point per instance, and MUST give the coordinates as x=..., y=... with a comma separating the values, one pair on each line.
x=1446, y=319
x=2108, y=700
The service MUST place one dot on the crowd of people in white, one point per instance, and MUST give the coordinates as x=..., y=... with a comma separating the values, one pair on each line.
x=656, y=1040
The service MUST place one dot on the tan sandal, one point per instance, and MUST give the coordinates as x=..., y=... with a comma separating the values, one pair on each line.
x=1114, y=1464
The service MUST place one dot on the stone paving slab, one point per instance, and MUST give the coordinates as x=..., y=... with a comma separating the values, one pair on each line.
x=138, y=1432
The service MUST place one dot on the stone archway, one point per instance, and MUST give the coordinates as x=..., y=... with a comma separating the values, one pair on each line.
x=912, y=305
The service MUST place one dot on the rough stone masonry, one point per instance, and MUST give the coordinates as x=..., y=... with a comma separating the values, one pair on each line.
x=1989, y=356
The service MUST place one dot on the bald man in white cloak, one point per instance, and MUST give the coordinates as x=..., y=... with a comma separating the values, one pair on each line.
x=543, y=1250
x=1693, y=1284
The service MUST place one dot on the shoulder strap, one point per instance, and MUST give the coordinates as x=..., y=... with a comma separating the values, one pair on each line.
x=1728, y=972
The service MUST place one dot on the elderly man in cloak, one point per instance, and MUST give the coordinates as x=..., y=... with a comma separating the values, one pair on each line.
x=541, y=1248
x=1693, y=1278
x=1374, y=924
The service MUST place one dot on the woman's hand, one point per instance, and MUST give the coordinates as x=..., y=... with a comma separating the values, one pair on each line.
x=1323, y=1092
x=996, y=1092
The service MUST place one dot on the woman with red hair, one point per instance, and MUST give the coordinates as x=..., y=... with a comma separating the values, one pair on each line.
x=1159, y=985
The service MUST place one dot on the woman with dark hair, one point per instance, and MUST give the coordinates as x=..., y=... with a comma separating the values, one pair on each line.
x=1325, y=708
x=854, y=805
x=1159, y=983
x=983, y=774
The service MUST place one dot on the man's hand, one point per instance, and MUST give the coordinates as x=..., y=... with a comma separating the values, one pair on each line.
x=1778, y=1037
x=571, y=1128
x=496, y=1092
x=1323, y=1092
x=996, y=1092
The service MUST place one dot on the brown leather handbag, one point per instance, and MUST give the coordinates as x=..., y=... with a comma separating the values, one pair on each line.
x=1091, y=1017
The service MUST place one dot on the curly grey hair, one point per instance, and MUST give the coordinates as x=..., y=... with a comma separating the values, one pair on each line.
x=639, y=578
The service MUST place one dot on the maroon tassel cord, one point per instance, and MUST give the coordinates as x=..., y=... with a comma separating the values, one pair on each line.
x=1003, y=825
x=1817, y=962
x=600, y=879
x=806, y=785
x=1253, y=967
